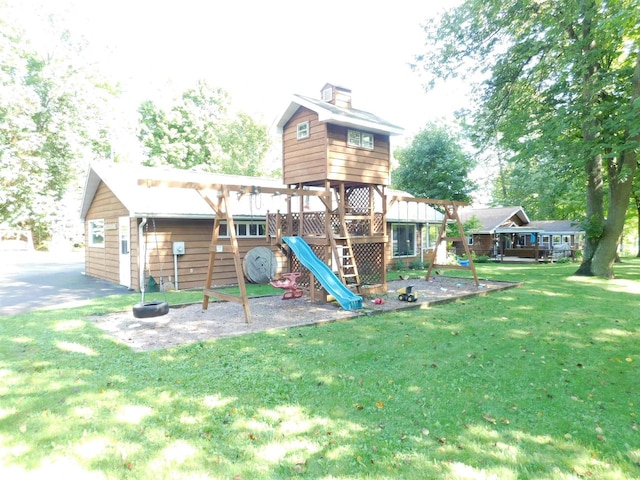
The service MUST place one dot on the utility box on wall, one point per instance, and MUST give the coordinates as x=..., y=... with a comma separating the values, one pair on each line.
x=178, y=248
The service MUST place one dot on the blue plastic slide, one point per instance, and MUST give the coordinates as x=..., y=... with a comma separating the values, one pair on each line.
x=332, y=284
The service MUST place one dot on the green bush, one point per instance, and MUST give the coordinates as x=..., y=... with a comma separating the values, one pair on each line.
x=417, y=265
x=399, y=265
x=482, y=259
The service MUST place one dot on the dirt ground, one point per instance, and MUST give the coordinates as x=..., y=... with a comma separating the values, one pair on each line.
x=190, y=324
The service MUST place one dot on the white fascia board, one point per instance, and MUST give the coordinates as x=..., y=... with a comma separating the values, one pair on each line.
x=325, y=115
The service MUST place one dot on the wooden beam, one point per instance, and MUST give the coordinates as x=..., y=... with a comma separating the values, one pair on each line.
x=242, y=189
x=391, y=199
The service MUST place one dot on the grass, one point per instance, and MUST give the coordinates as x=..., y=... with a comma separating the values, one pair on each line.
x=536, y=382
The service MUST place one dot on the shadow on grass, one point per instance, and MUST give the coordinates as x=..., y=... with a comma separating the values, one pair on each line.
x=535, y=382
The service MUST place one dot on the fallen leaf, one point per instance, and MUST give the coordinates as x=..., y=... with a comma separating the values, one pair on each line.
x=489, y=418
x=358, y=406
x=379, y=404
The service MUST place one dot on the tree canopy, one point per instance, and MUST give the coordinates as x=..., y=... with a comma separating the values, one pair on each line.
x=434, y=165
x=558, y=92
x=198, y=132
x=52, y=124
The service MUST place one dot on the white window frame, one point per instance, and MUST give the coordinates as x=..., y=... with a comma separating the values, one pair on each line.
x=470, y=240
x=394, y=240
x=95, y=231
x=302, y=130
x=245, y=229
x=327, y=94
x=366, y=139
x=359, y=139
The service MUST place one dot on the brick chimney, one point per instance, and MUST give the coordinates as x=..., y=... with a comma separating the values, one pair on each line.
x=336, y=95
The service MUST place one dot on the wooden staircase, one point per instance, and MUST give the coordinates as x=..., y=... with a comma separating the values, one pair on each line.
x=451, y=213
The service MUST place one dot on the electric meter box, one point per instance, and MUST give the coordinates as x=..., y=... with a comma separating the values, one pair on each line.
x=178, y=248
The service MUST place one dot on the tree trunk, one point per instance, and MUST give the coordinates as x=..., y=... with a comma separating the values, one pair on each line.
x=606, y=249
x=595, y=211
x=602, y=249
x=637, y=199
x=601, y=243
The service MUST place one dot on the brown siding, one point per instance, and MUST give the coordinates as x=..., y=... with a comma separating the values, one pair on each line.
x=357, y=165
x=304, y=160
x=103, y=262
x=192, y=266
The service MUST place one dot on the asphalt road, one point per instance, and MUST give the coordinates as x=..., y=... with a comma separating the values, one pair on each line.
x=32, y=280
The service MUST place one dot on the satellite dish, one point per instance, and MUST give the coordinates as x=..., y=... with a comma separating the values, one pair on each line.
x=260, y=265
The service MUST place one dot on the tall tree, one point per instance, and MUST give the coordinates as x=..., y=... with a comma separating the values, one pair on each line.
x=52, y=123
x=559, y=81
x=435, y=166
x=198, y=132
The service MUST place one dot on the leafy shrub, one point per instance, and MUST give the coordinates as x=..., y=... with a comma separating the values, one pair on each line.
x=417, y=265
x=399, y=265
x=482, y=259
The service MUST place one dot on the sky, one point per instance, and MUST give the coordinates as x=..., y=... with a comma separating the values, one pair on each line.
x=262, y=52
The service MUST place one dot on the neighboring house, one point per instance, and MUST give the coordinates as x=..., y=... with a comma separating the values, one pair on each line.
x=508, y=232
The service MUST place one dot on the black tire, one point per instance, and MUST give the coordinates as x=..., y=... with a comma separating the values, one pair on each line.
x=411, y=298
x=150, y=309
x=401, y=297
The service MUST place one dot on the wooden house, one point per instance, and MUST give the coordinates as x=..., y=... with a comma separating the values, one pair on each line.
x=123, y=218
x=508, y=232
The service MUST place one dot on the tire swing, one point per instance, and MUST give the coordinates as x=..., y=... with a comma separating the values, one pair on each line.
x=151, y=308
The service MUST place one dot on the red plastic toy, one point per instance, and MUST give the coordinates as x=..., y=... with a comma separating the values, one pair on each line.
x=290, y=285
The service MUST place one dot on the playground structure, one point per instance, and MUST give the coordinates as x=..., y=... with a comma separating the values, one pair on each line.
x=336, y=168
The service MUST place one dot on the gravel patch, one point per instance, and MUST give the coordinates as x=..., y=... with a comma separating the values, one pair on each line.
x=191, y=324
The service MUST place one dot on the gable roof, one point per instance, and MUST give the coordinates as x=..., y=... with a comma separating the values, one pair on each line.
x=141, y=201
x=496, y=218
x=346, y=117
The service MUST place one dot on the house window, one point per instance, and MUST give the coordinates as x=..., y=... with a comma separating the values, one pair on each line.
x=404, y=240
x=245, y=229
x=96, y=233
x=327, y=94
x=430, y=236
x=359, y=139
x=303, y=130
x=470, y=240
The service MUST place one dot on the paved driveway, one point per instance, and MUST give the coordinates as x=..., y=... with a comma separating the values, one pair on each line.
x=31, y=280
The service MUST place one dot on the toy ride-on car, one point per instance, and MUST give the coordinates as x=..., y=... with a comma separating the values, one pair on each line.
x=406, y=294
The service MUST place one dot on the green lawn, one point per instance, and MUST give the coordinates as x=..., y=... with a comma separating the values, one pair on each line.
x=540, y=381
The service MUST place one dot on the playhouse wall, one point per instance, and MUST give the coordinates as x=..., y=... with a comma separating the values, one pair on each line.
x=304, y=160
x=357, y=165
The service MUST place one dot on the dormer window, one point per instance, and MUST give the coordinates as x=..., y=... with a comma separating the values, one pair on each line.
x=303, y=130
x=358, y=139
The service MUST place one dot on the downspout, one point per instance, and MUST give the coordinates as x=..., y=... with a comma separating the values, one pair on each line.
x=141, y=249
